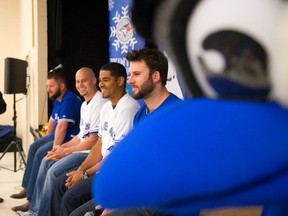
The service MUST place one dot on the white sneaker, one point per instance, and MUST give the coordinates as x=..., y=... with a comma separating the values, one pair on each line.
x=21, y=213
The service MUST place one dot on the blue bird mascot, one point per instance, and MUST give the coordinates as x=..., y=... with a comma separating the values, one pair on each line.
x=227, y=144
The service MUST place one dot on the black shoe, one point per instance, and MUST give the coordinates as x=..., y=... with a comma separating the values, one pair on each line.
x=23, y=208
x=1, y=200
x=20, y=195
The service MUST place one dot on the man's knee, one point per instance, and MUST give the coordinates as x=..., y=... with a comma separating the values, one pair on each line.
x=53, y=170
x=39, y=156
x=33, y=148
x=70, y=199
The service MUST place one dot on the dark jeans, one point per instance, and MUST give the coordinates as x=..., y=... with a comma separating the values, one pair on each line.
x=83, y=209
x=138, y=212
x=124, y=212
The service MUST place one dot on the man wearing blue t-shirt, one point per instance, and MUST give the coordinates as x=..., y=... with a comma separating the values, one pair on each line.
x=62, y=126
x=148, y=80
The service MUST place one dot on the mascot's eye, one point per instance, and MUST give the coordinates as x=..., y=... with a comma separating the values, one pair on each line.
x=244, y=62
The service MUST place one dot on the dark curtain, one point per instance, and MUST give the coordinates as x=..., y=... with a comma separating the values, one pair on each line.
x=55, y=47
x=77, y=36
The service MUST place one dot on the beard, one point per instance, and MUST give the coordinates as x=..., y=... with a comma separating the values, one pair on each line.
x=55, y=95
x=145, y=89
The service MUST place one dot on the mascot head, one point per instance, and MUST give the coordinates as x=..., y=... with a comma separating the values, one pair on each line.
x=222, y=48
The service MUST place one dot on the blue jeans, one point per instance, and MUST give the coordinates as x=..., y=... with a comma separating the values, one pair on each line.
x=46, y=179
x=37, y=151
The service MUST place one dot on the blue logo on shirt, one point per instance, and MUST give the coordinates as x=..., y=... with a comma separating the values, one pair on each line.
x=87, y=126
x=112, y=133
x=105, y=126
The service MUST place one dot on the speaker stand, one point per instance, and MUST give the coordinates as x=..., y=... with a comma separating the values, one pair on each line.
x=16, y=142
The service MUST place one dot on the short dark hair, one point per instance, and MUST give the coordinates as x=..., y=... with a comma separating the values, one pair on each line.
x=116, y=69
x=155, y=60
x=58, y=76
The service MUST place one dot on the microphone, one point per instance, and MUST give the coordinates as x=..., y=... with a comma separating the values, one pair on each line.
x=56, y=68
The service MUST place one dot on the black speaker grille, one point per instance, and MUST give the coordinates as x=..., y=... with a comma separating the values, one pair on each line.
x=15, y=76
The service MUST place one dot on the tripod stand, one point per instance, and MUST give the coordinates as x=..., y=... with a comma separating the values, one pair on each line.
x=16, y=142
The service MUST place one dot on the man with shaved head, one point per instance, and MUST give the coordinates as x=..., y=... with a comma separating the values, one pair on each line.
x=71, y=154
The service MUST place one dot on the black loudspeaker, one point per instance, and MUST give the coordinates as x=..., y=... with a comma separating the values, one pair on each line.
x=15, y=76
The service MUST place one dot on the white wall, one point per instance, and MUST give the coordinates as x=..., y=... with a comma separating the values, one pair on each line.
x=9, y=46
x=23, y=35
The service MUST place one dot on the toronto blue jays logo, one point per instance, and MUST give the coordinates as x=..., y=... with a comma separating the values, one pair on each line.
x=122, y=33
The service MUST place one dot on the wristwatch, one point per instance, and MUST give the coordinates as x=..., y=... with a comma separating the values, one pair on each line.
x=84, y=175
